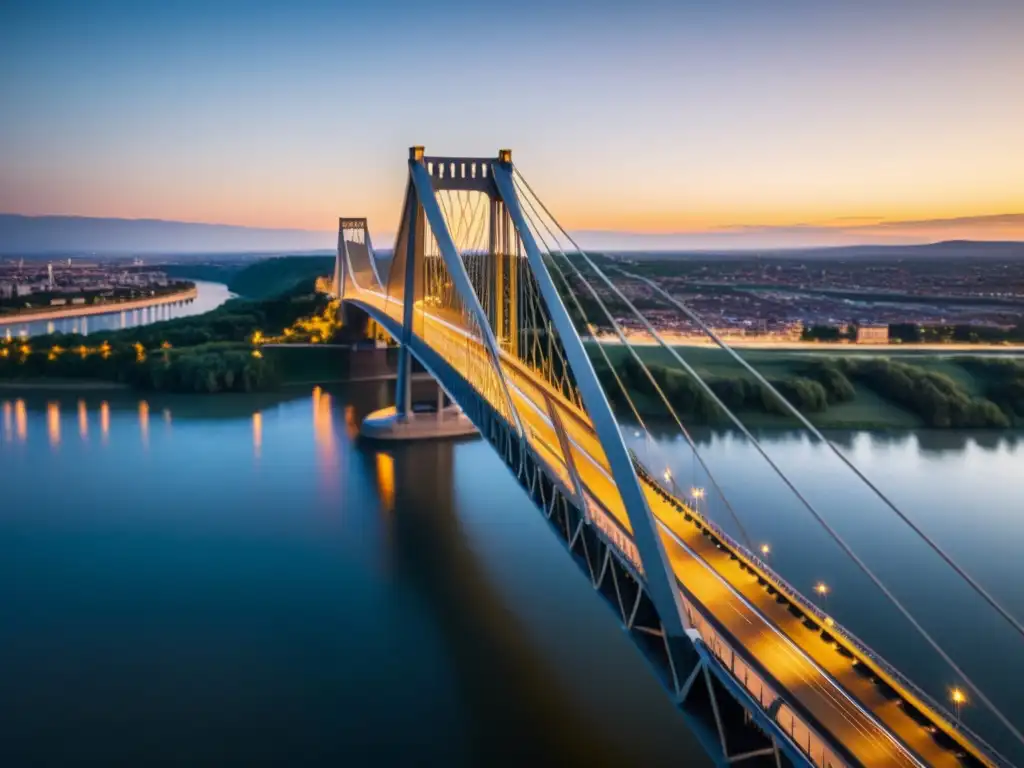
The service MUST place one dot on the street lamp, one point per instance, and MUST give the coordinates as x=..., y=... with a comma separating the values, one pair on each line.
x=765, y=549
x=958, y=697
x=821, y=588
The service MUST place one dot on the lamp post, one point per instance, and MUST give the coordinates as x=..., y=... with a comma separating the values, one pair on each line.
x=822, y=589
x=959, y=698
x=697, y=494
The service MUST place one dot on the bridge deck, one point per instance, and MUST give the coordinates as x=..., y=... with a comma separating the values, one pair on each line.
x=816, y=677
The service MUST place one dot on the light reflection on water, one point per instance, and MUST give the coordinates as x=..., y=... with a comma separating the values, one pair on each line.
x=202, y=477
x=208, y=296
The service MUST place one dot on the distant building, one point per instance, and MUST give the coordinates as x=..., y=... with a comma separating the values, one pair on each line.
x=78, y=300
x=6, y=290
x=873, y=334
x=58, y=302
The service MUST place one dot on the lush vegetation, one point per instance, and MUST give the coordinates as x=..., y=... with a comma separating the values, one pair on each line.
x=260, y=279
x=272, y=277
x=214, y=352
x=849, y=391
x=936, y=398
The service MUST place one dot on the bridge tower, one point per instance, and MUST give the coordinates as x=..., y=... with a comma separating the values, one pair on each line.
x=493, y=290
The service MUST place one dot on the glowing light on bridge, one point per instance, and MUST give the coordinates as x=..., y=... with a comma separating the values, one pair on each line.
x=959, y=698
x=697, y=493
x=83, y=420
x=821, y=588
x=765, y=549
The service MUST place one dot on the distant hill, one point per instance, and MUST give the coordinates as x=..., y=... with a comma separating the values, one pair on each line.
x=68, y=235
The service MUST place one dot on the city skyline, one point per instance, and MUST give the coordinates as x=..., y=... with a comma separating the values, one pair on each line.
x=670, y=124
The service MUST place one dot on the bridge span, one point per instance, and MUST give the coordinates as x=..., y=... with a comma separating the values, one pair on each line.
x=474, y=292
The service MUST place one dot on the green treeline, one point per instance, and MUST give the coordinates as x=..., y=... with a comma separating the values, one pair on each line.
x=810, y=393
x=282, y=274
x=1005, y=382
x=934, y=397
x=813, y=386
x=203, y=353
x=261, y=279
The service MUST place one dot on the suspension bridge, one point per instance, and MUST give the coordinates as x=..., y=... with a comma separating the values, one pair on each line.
x=490, y=295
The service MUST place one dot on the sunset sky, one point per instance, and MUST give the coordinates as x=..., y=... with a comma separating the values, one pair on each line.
x=762, y=118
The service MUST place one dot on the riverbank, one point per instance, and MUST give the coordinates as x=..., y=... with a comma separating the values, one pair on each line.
x=833, y=391
x=60, y=385
x=86, y=310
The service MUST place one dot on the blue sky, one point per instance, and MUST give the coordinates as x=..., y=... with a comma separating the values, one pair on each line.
x=658, y=117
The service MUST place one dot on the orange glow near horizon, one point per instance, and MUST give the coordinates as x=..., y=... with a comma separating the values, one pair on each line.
x=8, y=420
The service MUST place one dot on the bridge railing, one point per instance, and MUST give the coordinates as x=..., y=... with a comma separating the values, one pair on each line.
x=803, y=736
x=828, y=623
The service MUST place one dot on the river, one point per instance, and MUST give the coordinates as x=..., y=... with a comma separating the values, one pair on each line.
x=239, y=580
x=208, y=296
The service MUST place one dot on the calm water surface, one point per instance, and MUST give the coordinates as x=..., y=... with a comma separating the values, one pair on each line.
x=240, y=581
x=209, y=296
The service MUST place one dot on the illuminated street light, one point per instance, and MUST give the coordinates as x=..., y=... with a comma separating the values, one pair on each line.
x=959, y=698
x=668, y=475
x=821, y=588
x=697, y=493
x=765, y=549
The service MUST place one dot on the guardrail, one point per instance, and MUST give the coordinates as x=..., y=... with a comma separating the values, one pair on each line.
x=828, y=623
x=805, y=738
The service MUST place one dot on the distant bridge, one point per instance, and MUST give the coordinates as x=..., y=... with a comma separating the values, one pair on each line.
x=476, y=292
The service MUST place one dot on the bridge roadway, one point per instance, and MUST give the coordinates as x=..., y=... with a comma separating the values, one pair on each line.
x=849, y=708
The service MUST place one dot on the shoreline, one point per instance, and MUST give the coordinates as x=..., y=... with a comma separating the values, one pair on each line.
x=61, y=385
x=99, y=309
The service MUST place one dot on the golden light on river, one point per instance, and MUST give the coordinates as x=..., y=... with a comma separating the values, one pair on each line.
x=144, y=422
x=83, y=420
x=20, y=420
x=53, y=423
x=8, y=420
x=257, y=433
x=105, y=421
x=386, y=481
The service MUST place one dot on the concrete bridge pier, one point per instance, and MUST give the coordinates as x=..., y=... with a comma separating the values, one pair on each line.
x=407, y=420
